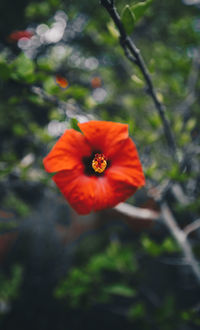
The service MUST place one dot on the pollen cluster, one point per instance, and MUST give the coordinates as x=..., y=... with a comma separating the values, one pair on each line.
x=99, y=163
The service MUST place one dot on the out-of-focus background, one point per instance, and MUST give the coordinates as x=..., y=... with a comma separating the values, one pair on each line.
x=106, y=270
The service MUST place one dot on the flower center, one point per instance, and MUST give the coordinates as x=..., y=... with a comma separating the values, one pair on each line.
x=99, y=163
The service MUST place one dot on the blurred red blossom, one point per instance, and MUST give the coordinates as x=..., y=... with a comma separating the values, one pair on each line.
x=19, y=34
x=97, y=169
x=61, y=81
x=96, y=82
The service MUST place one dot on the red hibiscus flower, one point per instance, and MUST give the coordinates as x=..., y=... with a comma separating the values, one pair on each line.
x=97, y=169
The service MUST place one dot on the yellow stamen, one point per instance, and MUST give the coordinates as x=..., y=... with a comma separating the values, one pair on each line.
x=99, y=163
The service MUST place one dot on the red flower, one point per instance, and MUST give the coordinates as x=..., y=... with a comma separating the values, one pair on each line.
x=96, y=82
x=97, y=169
x=61, y=81
x=17, y=35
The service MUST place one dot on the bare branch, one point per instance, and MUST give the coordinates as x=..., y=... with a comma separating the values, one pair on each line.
x=179, y=194
x=70, y=110
x=179, y=235
x=131, y=49
x=192, y=226
x=181, y=238
x=136, y=212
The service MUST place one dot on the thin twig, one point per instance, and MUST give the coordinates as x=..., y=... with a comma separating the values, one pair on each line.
x=181, y=237
x=192, y=227
x=70, y=110
x=133, y=54
x=137, y=212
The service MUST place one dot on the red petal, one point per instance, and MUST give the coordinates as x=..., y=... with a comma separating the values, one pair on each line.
x=105, y=136
x=78, y=189
x=126, y=166
x=109, y=193
x=86, y=194
x=68, y=152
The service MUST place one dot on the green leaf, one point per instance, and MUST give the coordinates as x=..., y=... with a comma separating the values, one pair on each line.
x=4, y=71
x=112, y=29
x=74, y=124
x=128, y=19
x=121, y=290
x=23, y=69
x=139, y=9
x=50, y=86
x=137, y=311
x=10, y=287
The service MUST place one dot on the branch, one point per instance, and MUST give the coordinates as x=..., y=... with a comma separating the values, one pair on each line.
x=181, y=238
x=192, y=226
x=133, y=54
x=70, y=110
x=179, y=235
x=136, y=212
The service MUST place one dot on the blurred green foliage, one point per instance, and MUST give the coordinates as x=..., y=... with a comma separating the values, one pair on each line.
x=92, y=283
x=157, y=249
x=128, y=19
x=10, y=286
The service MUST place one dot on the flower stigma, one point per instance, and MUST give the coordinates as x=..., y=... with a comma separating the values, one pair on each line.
x=99, y=163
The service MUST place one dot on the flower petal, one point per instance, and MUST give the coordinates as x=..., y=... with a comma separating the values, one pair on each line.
x=109, y=193
x=78, y=189
x=68, y=152
x=86, y=194
x=105, y=136
x=126, y=166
